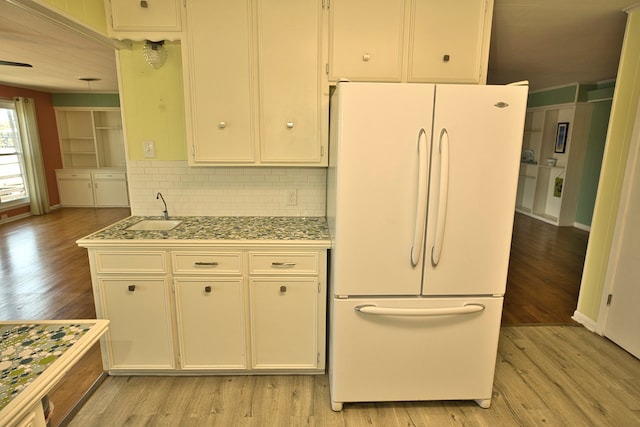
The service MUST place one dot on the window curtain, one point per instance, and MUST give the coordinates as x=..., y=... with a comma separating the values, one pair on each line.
x=33, y=162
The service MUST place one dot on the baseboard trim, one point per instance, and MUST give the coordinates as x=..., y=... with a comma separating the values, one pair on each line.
x=74, y=410
x=585, y=321
x=583, y=227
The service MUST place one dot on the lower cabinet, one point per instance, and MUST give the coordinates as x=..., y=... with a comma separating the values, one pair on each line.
x=284, y=323
x=140, y=334
x=200, y=310
x=92, y=188
x=210, y=316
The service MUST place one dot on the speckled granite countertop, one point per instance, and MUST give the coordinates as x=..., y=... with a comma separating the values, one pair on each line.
x=248, y=229
x=34, y=355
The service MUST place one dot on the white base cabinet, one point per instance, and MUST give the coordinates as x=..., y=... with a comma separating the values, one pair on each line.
x=211, y=310
x=92, y=188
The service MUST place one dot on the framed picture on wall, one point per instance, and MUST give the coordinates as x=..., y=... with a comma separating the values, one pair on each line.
x=561, y=137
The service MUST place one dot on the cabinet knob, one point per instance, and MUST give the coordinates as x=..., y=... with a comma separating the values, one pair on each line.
x=222, y=125
x=132, y=288
x=290, y=125
x=366, y=57
x=144, y=4
x=446, y=58
x=207, y=289
x=283, y=289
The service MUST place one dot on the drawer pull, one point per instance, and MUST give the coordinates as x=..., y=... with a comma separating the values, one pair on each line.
x=283, y=289
x=283, y=264
x=132, y=288
x=206, y=264
x=207, y=289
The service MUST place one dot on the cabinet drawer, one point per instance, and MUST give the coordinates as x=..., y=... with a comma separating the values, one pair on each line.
x=207, y=262
x=73, y=175
x=131, y=262
x=107, y=175
x=283, y=263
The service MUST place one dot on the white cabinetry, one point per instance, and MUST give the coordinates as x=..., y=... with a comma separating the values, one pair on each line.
x=143, y=19
x=286, y=310
x=211, y=309
x=96, y=188
x=410, y=40
x=133, y=293
x=550, y=192
x=253, y=83
x=90, y=138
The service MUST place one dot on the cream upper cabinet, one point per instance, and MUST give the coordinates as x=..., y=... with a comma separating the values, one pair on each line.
x=449, y=41
x=410, y=40
x=253, y=88
x=289, y=71
x=218, y=82
x=366, y=41
x=143, y=19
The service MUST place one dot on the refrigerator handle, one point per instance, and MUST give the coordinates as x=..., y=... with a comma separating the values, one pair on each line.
x=443, y=197
x=421, y=204
x=441, y=311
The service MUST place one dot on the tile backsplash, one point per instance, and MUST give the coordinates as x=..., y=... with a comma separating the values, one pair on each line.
x=222, y=191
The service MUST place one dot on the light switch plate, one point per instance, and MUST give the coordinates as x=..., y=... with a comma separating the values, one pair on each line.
x=149, y=148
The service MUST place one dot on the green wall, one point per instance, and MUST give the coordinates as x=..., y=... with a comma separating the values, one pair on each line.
x=559, y=95
x=85, y=99
x=153, y=103
x=622, y=120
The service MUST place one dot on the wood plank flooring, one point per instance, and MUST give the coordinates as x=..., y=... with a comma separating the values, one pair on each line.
x=45, y=275
x=545, y=375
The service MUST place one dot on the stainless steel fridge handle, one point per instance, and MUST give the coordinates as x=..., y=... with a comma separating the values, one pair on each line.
x=421, y=204
x=441, y=311
x=443, y=197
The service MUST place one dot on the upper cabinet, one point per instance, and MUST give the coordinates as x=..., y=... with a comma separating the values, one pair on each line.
x=410, y=40
x=144, y=19
x=253, y=83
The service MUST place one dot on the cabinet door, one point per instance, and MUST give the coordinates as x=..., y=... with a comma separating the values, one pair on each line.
x=284, y=323
x=218, y=82
x=140, y=335
x=447, y=41
x=110, y=190
x=289, y=55
x=211, y=323
x=366, y=40
x=149, y=15
x=75, y=191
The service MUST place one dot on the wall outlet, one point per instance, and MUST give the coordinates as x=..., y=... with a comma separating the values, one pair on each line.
x=292, y=197
x=149, y=148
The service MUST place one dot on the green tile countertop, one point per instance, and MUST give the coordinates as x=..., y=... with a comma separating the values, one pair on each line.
x=35, y=355
x=212, y=229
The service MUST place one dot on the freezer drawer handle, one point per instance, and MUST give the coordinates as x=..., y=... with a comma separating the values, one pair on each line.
x=443, y=311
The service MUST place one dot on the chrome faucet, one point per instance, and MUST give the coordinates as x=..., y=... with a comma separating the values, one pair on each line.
x=165, y=211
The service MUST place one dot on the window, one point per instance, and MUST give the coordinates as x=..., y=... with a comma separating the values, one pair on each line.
x=13, y=189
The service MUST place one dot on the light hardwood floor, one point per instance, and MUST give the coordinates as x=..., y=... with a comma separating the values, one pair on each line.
x=44, y=275
x=545, y=375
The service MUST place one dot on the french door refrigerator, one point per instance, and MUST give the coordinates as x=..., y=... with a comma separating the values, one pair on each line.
x=421, y=193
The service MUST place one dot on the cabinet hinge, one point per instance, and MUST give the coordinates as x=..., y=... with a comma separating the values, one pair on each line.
x=318, y=357
x=326, y=68
x=322, y=151
x=609, y=298
x=318, y=287
x=325, y=3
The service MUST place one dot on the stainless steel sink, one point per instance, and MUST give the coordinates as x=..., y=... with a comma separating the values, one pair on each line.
x=155, y=225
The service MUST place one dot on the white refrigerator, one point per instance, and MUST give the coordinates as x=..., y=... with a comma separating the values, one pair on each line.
x=421, y=193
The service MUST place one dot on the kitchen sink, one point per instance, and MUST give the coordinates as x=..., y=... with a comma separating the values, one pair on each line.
x=155, y=225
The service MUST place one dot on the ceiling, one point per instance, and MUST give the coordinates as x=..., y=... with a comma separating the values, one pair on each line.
x=548, y=42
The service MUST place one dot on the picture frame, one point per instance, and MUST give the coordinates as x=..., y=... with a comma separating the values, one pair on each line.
x=561, y=137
